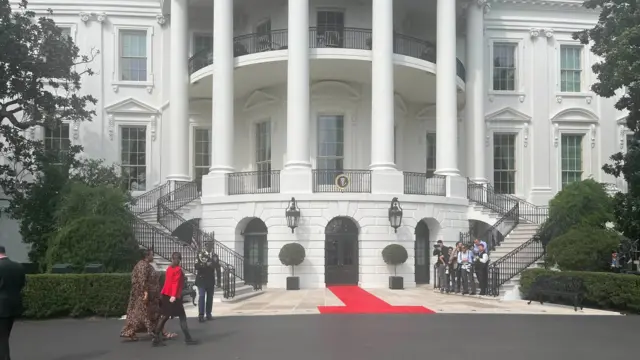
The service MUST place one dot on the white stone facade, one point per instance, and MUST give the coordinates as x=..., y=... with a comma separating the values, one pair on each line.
x=380, y=78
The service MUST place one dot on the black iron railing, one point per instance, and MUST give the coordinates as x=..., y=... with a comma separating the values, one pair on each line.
x=503, y=227
x=189, y=231
x=420, y=184
x=530, y=212
x=228, y=281
x=513, y=263
x=324, y=37
x=487, y=196
x=149, y=200
x=161, y=243
x=254, y=182
x=350, y=181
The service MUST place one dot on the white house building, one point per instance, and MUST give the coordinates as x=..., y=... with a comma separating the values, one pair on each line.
x=343, y=106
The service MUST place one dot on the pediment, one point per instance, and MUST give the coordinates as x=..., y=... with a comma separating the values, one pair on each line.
x=622, y=121
x=575, y=115
x=259, y=98
x=131, y=106
x=508, y=114
x=331, y=89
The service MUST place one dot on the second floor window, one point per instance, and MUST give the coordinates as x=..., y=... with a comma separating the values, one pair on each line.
x=504, y=67
x=330, y=147
x=431, y=154
x=504, y=163
x=570, y=68
x=330, y=27
x=56, y=139
x=571, y=158
x=133, y=155
x=133, y=55
x=202, y=153
x=263, y=154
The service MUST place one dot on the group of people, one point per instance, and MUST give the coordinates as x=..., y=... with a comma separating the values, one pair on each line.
x=151, y=306
x=456, y=267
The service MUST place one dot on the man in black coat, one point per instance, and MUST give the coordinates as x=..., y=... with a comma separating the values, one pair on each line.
x=12, y=280
x=206, y=281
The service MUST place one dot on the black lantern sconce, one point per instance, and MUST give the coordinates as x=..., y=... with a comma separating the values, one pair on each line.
x=293, y=214
x=395, y=214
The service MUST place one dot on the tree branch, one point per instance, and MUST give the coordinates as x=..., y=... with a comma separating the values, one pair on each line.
x=15, y=122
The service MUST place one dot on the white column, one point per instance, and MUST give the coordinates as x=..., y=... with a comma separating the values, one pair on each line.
x=446, y=94
x=474, y=111
x=222, y=122
x=298, y=113
x=179, y=92
x=382, y=87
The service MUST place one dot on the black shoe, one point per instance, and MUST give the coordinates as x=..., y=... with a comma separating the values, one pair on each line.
x=191, y=342
x=201, y=318
x=209, y=317
x=157, y=341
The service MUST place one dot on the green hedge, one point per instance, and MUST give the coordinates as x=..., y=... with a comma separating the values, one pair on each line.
x=76, y=295
x=607, y=291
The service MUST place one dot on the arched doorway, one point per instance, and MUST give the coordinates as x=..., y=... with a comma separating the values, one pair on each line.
x=341, y=252
x=422, y=253
x=255, y=252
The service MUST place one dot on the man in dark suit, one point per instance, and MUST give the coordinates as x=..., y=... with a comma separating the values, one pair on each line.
x=12, y=279
x=207, y=272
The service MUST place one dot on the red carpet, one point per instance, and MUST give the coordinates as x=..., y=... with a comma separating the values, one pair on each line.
x=358, y=301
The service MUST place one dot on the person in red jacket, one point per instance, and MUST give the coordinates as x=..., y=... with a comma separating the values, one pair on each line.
x=171, y=301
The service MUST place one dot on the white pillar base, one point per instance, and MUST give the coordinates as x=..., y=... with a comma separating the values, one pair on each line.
x=387, y=181
x=448, y=172
x=296, y=181
x=456, y=187
x=178, y=178
x=214, y=185
x=479, y=180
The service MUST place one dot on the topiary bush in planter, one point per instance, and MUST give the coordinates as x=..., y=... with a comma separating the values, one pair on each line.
x=395, y=255
x=292, y=254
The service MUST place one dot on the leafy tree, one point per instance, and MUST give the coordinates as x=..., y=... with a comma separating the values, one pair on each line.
x=583, y=204
x=93, y=226
x=615, y=40
x=39, y=81
x=583, y=249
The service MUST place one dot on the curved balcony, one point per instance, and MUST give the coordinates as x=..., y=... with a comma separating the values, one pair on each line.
x=345, y=38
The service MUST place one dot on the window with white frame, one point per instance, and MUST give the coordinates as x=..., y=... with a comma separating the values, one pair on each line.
x=504, y=163
x=56, y=139
x=330, y=147
x=504, y=66
x=570, y=68
x=330, y=28
x=263, y=33
x=571, y=158
x=66, y=31
x=431, y=154
x=133, y=55
x=133, y=155
x=263, y=153
x=629, y=141
x=202, y=51
x=201, y=153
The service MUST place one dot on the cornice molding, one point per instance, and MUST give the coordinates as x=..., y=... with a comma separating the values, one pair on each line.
x=550, y=3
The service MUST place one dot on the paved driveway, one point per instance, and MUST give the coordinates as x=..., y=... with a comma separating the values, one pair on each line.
x=344, y=337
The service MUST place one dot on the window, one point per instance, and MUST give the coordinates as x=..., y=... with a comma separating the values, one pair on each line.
x=330, y=28
x=56, y=139
x=629, y=141
x=133, y=155
x=202, y=43
x=330, y=147
x=133, y=55
x=504, y=67
x=202, y=153
x=571, y=158
x=263, y=154
x=570, y=68
x=504, y=163
x=66, y=31
x=263, y=33
x=431, y=154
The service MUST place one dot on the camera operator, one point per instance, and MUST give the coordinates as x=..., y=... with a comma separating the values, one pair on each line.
x=442, y=253
x=482, y=268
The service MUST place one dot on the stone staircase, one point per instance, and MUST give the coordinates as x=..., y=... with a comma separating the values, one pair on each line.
x=189, y=209
x=522, y=233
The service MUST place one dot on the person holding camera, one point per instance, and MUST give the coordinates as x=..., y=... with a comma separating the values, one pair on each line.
x=442, y=253
x=207, y=271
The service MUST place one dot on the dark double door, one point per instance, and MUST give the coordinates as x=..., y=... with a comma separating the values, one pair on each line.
x=255, y=259
x=341, y=259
